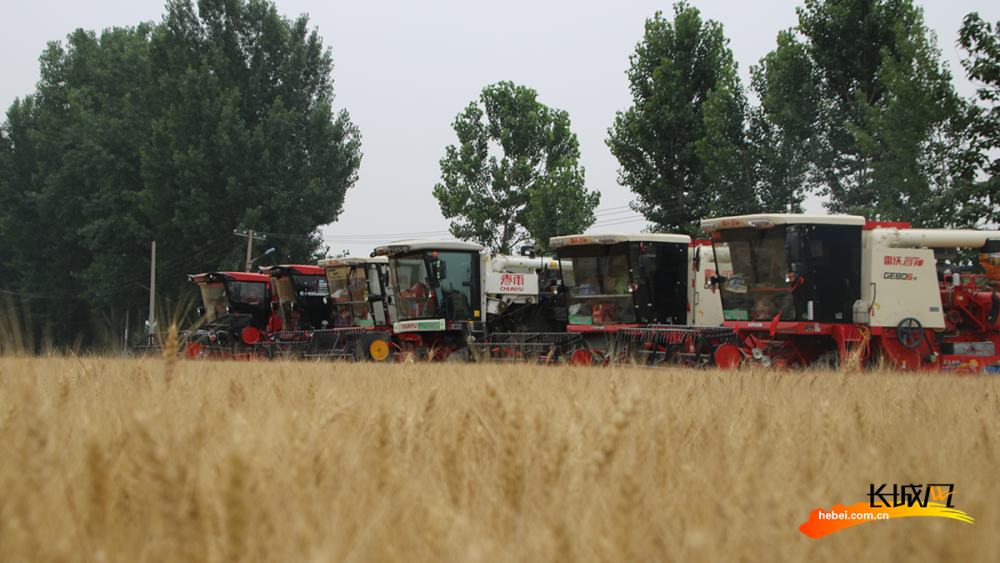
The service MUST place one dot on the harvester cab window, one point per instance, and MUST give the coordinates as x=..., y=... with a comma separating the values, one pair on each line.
x=375, y=279
x=660, y=273
x=249, y=298
x=759, y=288
x=283, y=285
x=286, y=296
x=348, y=290
x=311, y=285
x=802, y=272
x=452, y=274
x=213, y=296
x=832, y=276
x=598, y=289
x=413, y=284
x=247, y=293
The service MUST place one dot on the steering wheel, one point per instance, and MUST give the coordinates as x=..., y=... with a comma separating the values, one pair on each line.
x=910, y=333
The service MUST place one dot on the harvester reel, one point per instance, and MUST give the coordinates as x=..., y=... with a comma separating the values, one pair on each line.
x=910, y=333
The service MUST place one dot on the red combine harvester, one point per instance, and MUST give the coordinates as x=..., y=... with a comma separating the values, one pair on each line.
x=235, y=310
x=625, y=286
x=361, y=310
x=301, y=298
x=299, y=308
x=806, y=290
x=335, y=310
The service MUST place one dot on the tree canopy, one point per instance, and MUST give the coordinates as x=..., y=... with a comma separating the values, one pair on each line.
x=683, y=146
x=218, y=118
x=861, y=110
x=533, y=191
x=982, y=41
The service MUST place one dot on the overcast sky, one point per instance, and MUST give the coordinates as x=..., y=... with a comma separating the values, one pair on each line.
x=404, y=70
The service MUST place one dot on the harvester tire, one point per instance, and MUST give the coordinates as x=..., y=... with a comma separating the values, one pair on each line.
x=373, y=348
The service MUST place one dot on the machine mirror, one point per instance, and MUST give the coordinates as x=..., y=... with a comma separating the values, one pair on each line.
x=438, y=270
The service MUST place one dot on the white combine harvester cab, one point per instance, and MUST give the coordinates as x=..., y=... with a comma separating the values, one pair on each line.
x=816, y=289
x=450, y=293
x=622, y=291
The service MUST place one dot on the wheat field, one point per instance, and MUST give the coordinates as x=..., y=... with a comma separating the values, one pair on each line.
x=105, y=459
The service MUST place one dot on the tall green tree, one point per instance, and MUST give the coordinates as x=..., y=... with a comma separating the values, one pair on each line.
x=682, y=146
x=533, y=190
x=862, y=111
x=219, y=118
x=981, y=40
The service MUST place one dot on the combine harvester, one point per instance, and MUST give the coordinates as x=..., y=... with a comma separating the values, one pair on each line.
x=451, y=294
x=619, y=289
x=362, y=310
x=235, y=311
x=807, y=290
x=334, y=310
x=297, y=311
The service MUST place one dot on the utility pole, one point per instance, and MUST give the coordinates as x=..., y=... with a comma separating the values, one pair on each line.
x=249, y=248
x=152, y=288
x=250, y=236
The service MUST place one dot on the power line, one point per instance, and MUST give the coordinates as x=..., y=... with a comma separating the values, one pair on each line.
x=129, y=282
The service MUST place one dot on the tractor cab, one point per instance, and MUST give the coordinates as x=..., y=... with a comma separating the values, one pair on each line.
x=620, y=280
x=301, y=297
x=788, y=268
x=360, y=292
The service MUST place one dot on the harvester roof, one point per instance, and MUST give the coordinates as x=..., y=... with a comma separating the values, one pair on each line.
x=423, y=244
x=613, y=238
x=351, y=261
x=292, y=270
x=764, y=220
x=210, y=277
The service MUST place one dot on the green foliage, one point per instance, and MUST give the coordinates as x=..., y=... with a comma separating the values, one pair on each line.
x=214, y=120
x=534, y=191
x=861, y=110
x=982, y=41
x=683, y=145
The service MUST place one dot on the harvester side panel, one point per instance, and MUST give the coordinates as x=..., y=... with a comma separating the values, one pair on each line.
x=900, y=283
